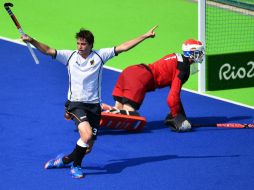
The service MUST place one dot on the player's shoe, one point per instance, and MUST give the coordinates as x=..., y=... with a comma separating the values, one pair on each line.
x=76, y=172
x=56, y=163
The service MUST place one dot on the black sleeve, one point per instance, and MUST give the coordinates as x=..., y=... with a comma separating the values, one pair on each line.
x=116, y=54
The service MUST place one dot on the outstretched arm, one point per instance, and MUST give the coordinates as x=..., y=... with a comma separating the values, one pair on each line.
x=132, y=43
x=40, y=46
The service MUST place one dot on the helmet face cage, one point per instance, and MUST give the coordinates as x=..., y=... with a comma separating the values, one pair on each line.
x=197, y=56
x=194, y=50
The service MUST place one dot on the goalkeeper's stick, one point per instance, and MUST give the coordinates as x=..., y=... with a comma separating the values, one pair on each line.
x=7, y=7
x=226, y=125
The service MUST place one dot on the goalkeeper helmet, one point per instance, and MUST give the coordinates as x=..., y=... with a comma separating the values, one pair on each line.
x=193, y=49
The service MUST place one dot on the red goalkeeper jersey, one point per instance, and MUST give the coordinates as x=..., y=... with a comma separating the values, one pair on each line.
x=172, y=70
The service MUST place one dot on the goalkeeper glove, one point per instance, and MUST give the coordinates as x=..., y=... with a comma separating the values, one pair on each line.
x=178, y=123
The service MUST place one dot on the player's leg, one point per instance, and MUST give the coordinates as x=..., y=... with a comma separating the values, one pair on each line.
x=77, y=155
x=94, y=117
x=88, y=131
x=85, y=132
x=79, y=114
x=80, y=118
x=61, y=160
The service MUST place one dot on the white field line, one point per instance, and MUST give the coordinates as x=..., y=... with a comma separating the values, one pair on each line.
x=16, y=41
x=119, y=70
x=218, y=98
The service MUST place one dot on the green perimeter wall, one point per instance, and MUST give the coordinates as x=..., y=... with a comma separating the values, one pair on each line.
x=113, y=22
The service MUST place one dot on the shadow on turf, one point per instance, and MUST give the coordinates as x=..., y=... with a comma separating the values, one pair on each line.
x=157, y=125
x=218, y=119
x=149, y=127
x=117, y=166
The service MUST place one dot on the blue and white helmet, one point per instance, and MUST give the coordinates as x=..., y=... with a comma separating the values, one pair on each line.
x=193, y=49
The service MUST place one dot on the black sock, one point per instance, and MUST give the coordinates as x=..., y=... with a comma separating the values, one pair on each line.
x=78, y=155
x=70, y=158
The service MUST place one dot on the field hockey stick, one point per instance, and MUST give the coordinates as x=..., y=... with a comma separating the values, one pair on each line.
x=7, y=7
x=226, y=125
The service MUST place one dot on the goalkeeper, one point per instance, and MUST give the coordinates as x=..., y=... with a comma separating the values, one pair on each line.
x=171, y=70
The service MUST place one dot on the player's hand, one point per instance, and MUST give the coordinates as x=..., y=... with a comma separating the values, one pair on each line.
x=151, y=33
x=26, y=38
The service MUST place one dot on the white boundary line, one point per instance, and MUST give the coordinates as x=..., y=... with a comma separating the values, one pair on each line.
x=119, y=70
x=17, y=41
x=113, y=69
x=218, y=98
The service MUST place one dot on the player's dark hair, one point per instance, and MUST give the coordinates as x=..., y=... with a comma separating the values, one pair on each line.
x=85, y=34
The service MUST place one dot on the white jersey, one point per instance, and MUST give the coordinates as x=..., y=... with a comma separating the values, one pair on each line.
x=85, y=74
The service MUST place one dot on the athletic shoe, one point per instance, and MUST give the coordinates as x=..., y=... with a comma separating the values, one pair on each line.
x=76, y=172
x=56, y=163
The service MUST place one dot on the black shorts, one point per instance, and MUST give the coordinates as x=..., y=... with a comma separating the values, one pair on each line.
x=81, y=112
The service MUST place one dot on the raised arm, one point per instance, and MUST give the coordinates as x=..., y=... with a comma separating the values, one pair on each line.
x=132, y=43
x=40, y=46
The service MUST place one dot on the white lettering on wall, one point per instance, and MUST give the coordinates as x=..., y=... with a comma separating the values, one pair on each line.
x=228, y=72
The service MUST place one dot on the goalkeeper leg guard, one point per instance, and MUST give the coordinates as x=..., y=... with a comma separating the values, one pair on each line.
x=121, y=121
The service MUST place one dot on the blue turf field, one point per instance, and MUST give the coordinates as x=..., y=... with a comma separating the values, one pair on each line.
x=32, y=130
